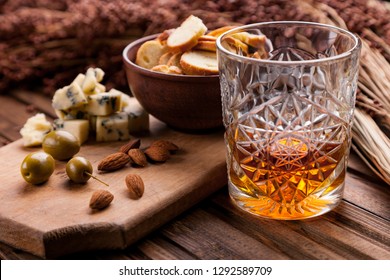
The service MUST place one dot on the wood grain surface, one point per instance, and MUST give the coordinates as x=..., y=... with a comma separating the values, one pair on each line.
x=359, y=228
x=54, y=219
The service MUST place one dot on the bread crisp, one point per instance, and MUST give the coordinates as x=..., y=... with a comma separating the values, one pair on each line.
x=175, y=60
x=167, y=69
x=164, y=36
x=207, y=38
x=149, y=53
x=219, y=31
x=165, y=58
x=206, y=46
x=199, y=63
x=186, y=35
x=235, y=46
x=253, y=40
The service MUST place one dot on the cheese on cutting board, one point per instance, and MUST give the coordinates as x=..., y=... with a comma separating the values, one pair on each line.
x=79, y=79
x=34, y=130
x=92, y=123
x=91, y=81
x=72, y=114
x=68, y=97
x=103, y=104
x=84, y=106
x=138, y=117
x=112, y=128
x=79, y=128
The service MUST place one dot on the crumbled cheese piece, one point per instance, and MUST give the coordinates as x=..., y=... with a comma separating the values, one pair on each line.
x=79, y=79
x=91, y=81
x=138, y=117
x=73, y=113
x=35, y=129
x=68, y=97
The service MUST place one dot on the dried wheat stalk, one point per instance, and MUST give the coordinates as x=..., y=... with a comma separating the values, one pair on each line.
x=371, y=144
x=372, y=118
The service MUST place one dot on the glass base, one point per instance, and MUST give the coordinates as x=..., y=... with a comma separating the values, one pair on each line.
x=262, y=206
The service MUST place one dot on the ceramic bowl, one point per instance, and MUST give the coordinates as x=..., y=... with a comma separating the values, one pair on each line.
x=181, y=101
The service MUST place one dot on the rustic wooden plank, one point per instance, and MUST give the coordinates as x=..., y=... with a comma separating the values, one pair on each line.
x=341, y=238
x=358, y=167
x=297, y=242
x=170, y=189
x=135, y=254
x=9, y=131
x=40, y=101
x=363, y=223
x=14, y=110
x=160, y=248
x=347, y=232
x=208, y=237
x=96, y=255
x=9, y=253
x=276, y=234
x=3, y=140
x=371, y=196
x=13, y=115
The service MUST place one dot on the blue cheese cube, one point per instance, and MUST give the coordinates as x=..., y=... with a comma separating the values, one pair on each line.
x=103, y=104
x=73, y=113
x=99, y=74
x=138, y=117
x=68, y=97
x=112, y=128
x=79, y=128
x=79, y=79
x=99, y=88
x=92, y=123
x=91, y=81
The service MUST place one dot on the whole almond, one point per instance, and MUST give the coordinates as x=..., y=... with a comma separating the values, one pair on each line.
x=157, y=154
x=100, y=199
x=168, y=145
x=113, y=162
x=137, y=157
x=132, y=144
x=135, y=185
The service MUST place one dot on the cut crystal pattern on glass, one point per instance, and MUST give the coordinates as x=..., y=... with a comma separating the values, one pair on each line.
x=288, y=126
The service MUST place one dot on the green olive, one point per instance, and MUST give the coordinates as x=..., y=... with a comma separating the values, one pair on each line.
x=79, y=169
x=37, y=167
x=62, y=145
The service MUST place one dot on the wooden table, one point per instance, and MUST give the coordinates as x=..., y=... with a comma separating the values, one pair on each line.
x=359, y=228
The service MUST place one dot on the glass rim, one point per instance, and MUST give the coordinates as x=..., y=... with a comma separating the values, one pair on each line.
x=355, y=48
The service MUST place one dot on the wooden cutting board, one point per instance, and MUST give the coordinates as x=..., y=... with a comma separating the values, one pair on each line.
x=54, y=219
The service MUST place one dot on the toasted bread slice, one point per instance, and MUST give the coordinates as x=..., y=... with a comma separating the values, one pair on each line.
x=149, y=54
x=219, y=31
x=164, y=36
x=175, y=60
x=165, y=58
x=199, y=63
x=235, y=46
x=207, y=38
x=167, y=69
x=186, y=35
x=206, y=46
x=256, y=41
